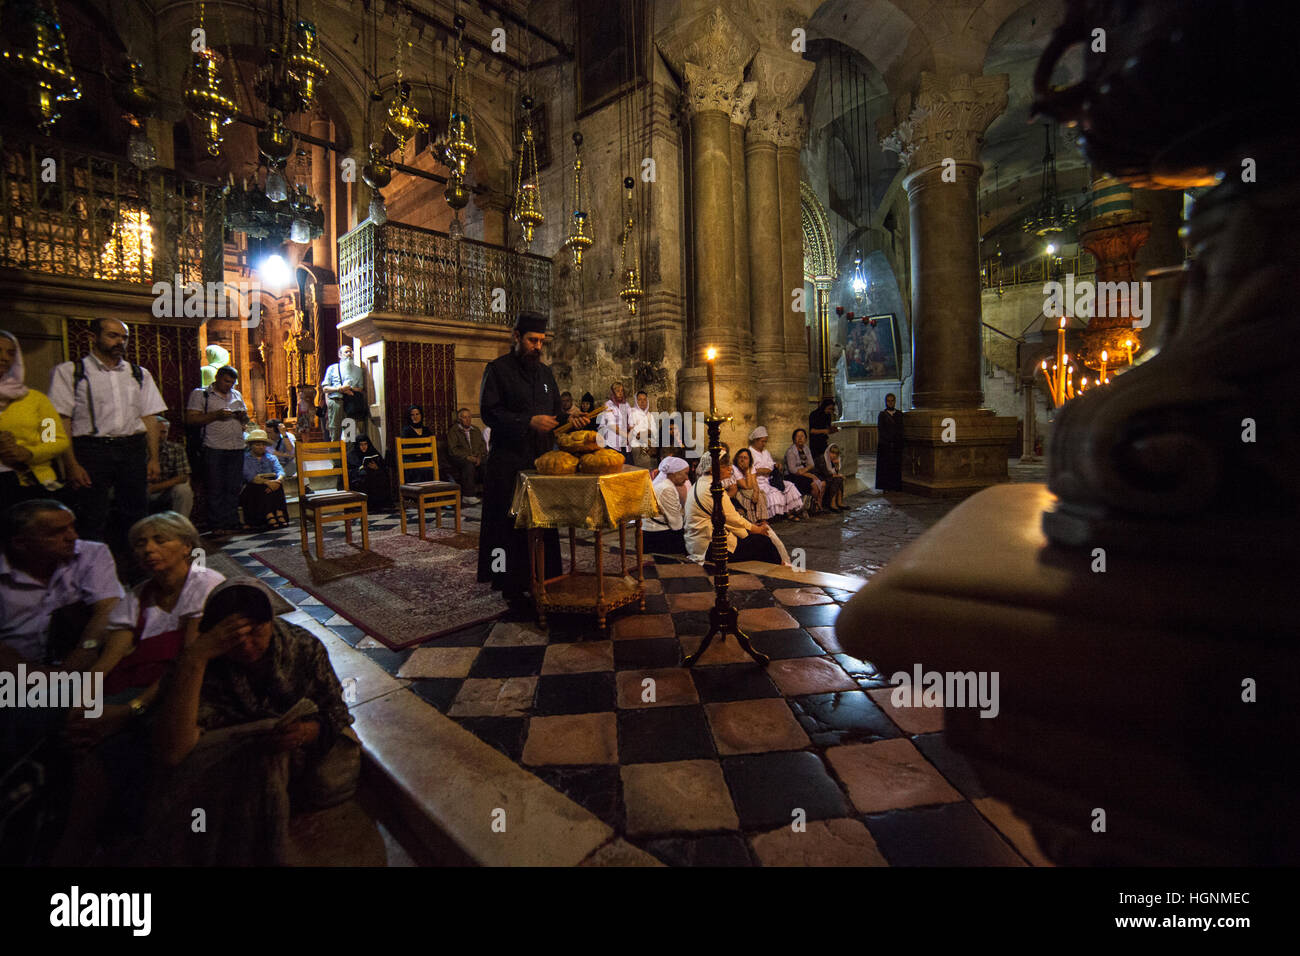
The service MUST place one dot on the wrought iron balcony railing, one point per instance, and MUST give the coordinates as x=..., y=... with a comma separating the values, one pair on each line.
x=408, y=270
x=76, y=213
x=1036, y=271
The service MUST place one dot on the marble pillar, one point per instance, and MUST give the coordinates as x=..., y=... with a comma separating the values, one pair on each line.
x=952, y=446
x=322, y=247
x=493, y=206
x=710, y=53
x=790, y=383
x=763, y=202
x=740, y=113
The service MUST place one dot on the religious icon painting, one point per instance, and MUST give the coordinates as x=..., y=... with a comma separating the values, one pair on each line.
x=871, y=352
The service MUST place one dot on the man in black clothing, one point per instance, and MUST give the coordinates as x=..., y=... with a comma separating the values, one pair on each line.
x=520, y=402
x=889, y=447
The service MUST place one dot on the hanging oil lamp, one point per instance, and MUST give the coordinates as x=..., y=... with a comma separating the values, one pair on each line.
x=461, y=145
x=631, y=292
x=206, y=98
x=35, y=52
x=403, y=119
x=528, y=191
x=579, y=239
x=305, y=67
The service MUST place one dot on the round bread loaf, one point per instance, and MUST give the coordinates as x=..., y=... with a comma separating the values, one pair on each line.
x=579, y=442
x=607, y=461
x=556, y=463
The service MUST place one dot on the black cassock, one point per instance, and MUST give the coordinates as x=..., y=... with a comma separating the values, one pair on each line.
x=511, y=394
x=889, y=450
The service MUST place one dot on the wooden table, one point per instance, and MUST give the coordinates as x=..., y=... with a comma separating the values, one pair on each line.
x=599, y=503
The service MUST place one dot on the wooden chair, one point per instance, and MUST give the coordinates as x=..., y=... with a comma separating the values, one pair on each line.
x=422, y=453
x=324, y=507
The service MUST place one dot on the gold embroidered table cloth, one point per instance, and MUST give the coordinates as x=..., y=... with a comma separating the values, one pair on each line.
x=600, y=502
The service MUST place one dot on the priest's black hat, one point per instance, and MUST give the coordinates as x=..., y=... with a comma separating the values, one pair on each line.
x=530, y=322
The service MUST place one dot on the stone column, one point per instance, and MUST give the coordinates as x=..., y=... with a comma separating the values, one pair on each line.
x=952, y=445
x=776, y=245
x=710, y=54
x=740, y=113
x=493, y=206
x=323, y=247
x=763, y=202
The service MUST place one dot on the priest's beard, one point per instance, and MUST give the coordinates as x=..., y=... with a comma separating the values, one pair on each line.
x=532, y=359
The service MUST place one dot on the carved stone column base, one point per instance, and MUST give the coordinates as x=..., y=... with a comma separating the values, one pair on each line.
x=1120, y=690
x=974, y=458
x=782, y=407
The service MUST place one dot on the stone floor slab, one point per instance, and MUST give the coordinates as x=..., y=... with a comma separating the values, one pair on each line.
x=686, y=795
x=842, y=842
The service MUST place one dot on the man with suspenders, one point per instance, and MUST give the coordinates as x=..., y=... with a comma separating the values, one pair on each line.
x=108, y=406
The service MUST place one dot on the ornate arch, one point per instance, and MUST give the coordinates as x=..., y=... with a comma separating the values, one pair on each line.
x=818, y=249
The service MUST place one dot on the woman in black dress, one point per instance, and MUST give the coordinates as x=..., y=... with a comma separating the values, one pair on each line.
x=820, y=428
x=416, y=427
x=368, y=474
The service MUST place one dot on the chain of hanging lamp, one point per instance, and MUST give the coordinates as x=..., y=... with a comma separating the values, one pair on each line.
x=461, y=141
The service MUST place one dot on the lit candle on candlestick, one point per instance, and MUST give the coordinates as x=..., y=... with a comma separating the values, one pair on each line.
x=1103, y=367
x=1061, y=359
x=1128, y=347
x=710, y=355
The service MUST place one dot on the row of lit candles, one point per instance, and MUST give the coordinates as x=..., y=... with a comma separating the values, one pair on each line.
x=1061, y=383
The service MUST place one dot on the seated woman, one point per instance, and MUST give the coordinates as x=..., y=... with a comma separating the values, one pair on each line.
x=368, y=473
x=587, y=404
x=416, y=427
x=834, y=499
x=284, y=447
x=780, y=501
x=750, y=501
x=801, y=468
x=746, y=541
x=665, y=534
x=262, y=497
x=26, y=451
x=147, y=631
x=251, y=726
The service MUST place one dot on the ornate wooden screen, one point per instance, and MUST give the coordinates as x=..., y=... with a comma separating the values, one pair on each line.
x=170, y=353
x=420, y=373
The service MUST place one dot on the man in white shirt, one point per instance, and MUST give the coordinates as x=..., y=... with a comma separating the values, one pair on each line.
x=612, y=422
x=664, y=534
x=220, y=409
x=108, y=406
x=640, y=426
x=344, y=386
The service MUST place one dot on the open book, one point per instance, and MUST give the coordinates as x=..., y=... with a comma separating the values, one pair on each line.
x=257, y=728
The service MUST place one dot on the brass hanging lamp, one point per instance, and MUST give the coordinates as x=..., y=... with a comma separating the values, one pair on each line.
x=205, y=94
x=305, y=67
x=579, y=239
x=403, y=119
x=528, y=190
x=34, y=52
x=630, y=265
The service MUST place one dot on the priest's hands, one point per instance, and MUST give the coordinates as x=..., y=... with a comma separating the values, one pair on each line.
x=543, y=423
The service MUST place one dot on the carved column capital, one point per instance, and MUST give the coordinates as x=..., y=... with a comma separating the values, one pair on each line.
x=780, y=79
x=763, y=127
x=740, y=108
x=791, y=128
x=710, y=53
x=945, y=119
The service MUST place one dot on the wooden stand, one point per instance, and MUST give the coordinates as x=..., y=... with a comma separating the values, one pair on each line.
x=583, y=592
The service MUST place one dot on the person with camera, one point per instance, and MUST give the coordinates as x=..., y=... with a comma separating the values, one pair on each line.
x=220, y=410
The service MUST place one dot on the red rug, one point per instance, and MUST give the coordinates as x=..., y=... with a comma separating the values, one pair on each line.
x=403, y=592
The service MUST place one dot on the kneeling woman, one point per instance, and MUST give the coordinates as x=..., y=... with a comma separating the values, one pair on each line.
x=746, y=541
x=263, y=495
x=665, y=534
x=252, y=724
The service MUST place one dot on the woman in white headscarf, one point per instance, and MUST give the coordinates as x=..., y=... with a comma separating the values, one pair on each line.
x=664, y=534
x=31, y=431
x=746, y=541
x=780, y=501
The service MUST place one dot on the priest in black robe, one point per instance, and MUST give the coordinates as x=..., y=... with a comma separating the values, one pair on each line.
x=889, y=447
x=520, y=402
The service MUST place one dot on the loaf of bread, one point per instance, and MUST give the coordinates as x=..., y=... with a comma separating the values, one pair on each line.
x=556, y=463
x=578, y=443
x=607, y=461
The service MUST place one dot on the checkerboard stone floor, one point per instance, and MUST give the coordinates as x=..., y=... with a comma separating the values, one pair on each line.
x=801, y=762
